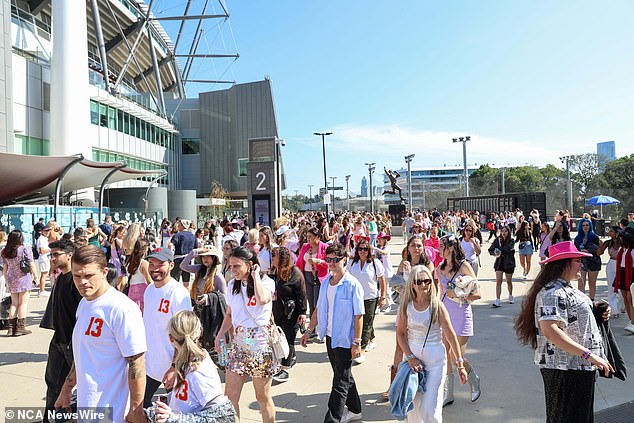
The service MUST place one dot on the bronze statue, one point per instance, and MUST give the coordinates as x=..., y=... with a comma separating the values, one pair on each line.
x=393, y=177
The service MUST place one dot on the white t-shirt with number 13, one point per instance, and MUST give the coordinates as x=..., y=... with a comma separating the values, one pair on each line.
x=108, y=329
x=160, y=304
x=261, y=313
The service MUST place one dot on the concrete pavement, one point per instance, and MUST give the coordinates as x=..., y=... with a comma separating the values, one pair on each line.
x=511, y=384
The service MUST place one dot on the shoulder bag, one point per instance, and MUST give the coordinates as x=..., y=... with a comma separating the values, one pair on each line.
x=25, y=263
x=277, y=339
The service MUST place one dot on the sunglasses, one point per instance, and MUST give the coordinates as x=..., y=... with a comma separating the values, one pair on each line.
x=468, y=230
x=422, y=281
x=363, y=249
x=333, y=259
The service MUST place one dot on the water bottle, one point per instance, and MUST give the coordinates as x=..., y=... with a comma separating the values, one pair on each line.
x=223, y=355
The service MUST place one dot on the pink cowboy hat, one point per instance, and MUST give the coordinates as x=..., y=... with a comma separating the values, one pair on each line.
x=383, y=235
x=563, y=250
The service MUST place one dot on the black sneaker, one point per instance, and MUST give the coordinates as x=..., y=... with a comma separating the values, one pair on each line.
x=281, y=376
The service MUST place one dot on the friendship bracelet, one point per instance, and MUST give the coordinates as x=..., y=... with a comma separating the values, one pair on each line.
x=409, y=357
x=586, y=354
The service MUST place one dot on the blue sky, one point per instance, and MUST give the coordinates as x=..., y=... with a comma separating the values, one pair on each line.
x=528, y=81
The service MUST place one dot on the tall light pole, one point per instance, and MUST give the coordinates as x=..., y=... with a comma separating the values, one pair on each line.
x=464, y=140
x=323, y=146
x=347, y=193
x=310, y=196
x=333, y=192
x=566, y=160
x=371, y=171
x=279, y=142
x=503, y=186
x=408, y=160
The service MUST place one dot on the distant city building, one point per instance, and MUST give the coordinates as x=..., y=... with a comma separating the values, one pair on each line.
x=445, y=178
x=607, y=150
x=364, y=187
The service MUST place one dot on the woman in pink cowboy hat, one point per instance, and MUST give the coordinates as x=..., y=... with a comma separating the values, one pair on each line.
x=567, y=342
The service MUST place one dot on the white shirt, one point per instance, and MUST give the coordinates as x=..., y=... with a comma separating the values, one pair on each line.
x=42, y=242
x=367, y=277
x=199, y=387
x=108, y=329
x=261, y=312
x=264, y=258
x=469, y=250
x=160, y=304
x=330, y=294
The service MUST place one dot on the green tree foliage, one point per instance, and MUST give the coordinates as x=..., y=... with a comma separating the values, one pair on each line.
x=584, y=172
x=618, y=181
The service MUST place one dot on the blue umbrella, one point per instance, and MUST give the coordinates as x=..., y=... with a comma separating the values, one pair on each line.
x=602, y=200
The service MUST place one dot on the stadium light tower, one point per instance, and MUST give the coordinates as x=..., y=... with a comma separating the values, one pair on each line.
x=408, y=160
x=464, y=140
x=323, y=146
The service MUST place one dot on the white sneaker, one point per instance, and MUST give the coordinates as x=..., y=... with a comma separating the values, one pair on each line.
x=629, y=327
x=44, y=294
x=525, y=276
x=511, y=299
x=349, y=416
x=497, y=303
x=371, y=346
x=359, y=360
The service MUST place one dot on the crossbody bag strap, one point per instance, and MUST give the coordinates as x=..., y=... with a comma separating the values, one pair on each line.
x=450, y=280
x=246, y=308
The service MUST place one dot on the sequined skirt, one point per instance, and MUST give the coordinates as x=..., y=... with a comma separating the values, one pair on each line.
x=250, y=353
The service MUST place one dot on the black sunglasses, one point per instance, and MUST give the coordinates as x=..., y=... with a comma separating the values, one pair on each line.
x=363, y=249
x=422, y=281
x=333, y=259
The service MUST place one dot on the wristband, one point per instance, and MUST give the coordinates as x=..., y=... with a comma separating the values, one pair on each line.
x=586, y=354
x=459, y=360
x=409, y=357
x=356, y=343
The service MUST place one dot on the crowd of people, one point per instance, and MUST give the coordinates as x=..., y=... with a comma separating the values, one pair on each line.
x=132, y=311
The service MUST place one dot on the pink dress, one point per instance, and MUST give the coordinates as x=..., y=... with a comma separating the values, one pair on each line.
x=18, y=281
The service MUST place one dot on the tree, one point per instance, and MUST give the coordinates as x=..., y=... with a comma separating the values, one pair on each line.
x=584, y=170
x=523, y=179
x=484, y=181
x=217, y=195
x=618, y=180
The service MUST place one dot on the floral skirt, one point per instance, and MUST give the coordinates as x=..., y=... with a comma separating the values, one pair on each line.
x=250, y=353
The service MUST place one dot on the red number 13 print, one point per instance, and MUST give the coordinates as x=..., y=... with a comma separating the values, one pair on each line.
x=97, y=324
x=164, y=307
x=252, y=302
x=182, y=392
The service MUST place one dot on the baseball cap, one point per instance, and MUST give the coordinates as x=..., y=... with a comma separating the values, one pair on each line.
x=162, y=254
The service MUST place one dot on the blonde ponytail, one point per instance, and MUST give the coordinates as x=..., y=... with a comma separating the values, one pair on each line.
x=185, y=329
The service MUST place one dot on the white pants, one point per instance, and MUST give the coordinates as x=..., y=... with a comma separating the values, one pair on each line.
x=615, y=300
x=428, y=405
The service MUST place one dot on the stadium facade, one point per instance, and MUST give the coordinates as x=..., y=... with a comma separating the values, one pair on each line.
x=107, y=82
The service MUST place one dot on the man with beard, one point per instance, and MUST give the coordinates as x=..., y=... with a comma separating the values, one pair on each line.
x=64, y=301
x=163, y=299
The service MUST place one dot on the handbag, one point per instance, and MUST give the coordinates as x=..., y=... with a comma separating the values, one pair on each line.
x=25, y=263
x=277, y=340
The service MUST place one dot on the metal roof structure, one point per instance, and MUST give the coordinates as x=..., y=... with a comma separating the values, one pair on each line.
x=128, y=43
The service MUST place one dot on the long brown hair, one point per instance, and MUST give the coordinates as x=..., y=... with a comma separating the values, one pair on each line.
x=248, y=257
x=525, y=324
x=208, y=274
x=134, y=259
x=15, y=241
x=451, y=243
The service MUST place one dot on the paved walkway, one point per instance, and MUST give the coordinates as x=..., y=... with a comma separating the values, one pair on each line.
x=512, y=387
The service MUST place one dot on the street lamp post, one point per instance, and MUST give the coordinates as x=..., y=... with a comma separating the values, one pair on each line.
x=371, y=171
x=323, y=146
x=408, y=160
x=347, y=193
x=566, y=160
x=503, y=186
x=278, y=177
x=310, y=196
x=464, y=140
x=333, y=192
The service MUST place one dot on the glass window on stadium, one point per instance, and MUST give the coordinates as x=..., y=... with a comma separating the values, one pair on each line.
x=191, y=146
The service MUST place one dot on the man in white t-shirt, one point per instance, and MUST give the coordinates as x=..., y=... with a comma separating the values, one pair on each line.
x=162, y=299
x=44, y=259
x=108, y=344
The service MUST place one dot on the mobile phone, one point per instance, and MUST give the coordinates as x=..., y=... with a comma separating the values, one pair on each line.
x=162, y=398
